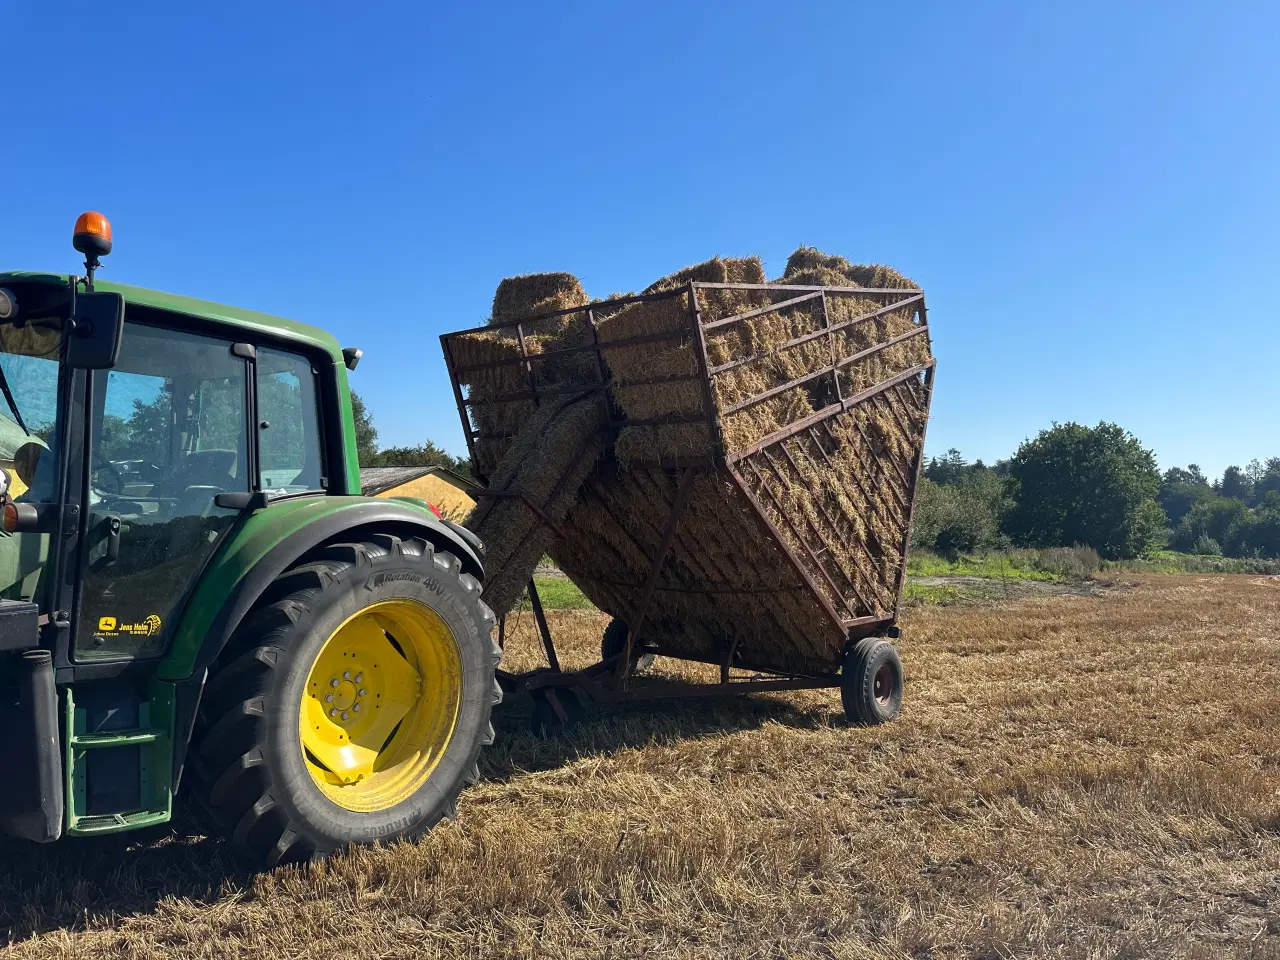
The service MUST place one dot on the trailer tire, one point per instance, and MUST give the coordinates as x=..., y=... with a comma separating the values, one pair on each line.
x=871, y=682
x=277, y=773
x=614, y=642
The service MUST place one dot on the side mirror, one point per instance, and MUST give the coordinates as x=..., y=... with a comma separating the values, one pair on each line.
x=97, y=327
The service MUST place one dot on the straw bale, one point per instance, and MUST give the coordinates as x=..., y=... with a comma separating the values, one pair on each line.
x=548, y=461
x=535, y=293
x=668, y=441
x=723, y=585
x=519, y=298
x=676, y=358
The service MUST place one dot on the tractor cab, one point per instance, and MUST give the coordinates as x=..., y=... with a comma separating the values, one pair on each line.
x=136, y=431
x=145, y=465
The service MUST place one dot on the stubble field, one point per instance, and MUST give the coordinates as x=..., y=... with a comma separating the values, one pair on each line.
x=1072, y=776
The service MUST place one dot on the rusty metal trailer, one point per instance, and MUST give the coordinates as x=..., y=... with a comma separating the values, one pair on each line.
x=827, y=508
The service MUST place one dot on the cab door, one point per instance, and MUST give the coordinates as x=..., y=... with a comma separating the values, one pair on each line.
x=168, y=432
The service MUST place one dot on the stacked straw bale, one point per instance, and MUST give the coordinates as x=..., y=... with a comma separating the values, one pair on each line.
x=724, y=585
x=657, y=379
x=847, y=493
x=519, y=298
x=548, y=461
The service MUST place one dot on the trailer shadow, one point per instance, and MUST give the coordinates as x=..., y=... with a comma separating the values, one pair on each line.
x=520, y=750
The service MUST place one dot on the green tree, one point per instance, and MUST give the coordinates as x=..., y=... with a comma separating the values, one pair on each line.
x=1263, y=533
x=1235, y=484
x=1269, y=481
x=1180, y=490
x=959, y=517
x=947, y=470
x=1093, y=486
x=366, y=432
x=1221, y=519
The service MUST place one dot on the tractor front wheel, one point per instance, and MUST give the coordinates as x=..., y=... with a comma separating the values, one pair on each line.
x=352, y=703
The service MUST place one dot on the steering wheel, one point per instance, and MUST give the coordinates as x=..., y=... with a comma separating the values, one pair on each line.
x=101, y=463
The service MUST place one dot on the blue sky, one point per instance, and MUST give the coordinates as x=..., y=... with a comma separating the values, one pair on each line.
x=1089, y=193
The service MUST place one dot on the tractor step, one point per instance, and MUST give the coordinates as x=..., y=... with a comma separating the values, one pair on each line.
x=122, y=738
x=120, y=779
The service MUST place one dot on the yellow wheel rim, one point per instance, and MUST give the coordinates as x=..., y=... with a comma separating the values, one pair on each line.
x=380, y=705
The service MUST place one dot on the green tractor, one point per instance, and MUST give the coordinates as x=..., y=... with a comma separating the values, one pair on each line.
x=193, y=590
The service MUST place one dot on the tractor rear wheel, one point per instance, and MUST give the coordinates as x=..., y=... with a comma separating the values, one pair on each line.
x=871, y=682
x=352, y=703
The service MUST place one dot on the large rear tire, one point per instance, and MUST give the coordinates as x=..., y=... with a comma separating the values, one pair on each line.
x=351, y=705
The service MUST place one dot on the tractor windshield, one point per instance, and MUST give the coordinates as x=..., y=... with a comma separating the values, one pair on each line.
x=29, y=371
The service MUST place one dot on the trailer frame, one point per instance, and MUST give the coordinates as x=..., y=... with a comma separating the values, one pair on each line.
x=759, y=465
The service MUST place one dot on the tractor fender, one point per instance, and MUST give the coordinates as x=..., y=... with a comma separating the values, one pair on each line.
x=262, y=547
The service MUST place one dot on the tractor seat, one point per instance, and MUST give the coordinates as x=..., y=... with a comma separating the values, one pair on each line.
x=203, y=468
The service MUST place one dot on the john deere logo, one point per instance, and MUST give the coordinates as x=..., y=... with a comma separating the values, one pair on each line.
x=147, y=628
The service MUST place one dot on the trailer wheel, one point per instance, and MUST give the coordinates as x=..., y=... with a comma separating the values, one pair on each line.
x=871, y=682
x=548, y=721
x=614, y=642
x=352, y=703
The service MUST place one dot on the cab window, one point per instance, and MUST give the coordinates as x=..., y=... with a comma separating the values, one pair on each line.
x=168, y=434
x=289, y=440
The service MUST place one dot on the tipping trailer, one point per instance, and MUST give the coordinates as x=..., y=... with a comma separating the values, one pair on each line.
x=780, y=557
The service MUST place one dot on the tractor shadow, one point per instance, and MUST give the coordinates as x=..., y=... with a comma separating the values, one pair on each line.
x=59, y=886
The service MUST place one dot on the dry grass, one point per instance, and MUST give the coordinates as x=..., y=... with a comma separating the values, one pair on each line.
x=1072, y=777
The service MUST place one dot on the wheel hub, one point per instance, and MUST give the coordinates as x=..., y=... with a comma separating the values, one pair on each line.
x=883, y=684
x=345, y=694
x=380, y=704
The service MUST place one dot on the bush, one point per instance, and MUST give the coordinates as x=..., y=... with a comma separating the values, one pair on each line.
x=1168, y=561
x=1206, y=546
x=961, y=517
x=1223, y=520
x=1072, y=563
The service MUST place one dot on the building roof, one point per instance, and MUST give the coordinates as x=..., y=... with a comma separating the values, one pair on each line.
x=376, y=480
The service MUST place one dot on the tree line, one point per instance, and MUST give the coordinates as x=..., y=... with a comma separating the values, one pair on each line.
x=1069, y=486
x=1100, y=487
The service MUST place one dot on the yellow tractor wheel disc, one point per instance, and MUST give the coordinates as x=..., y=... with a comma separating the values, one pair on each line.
x=380, y=705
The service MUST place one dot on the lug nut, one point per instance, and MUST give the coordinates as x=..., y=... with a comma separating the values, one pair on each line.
x=362, y=692
x=333, y=683
x=359, y=677
x=328, y=698
x=356, y=708
x=333, y=713
x=346, y=674
x=344, y=715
